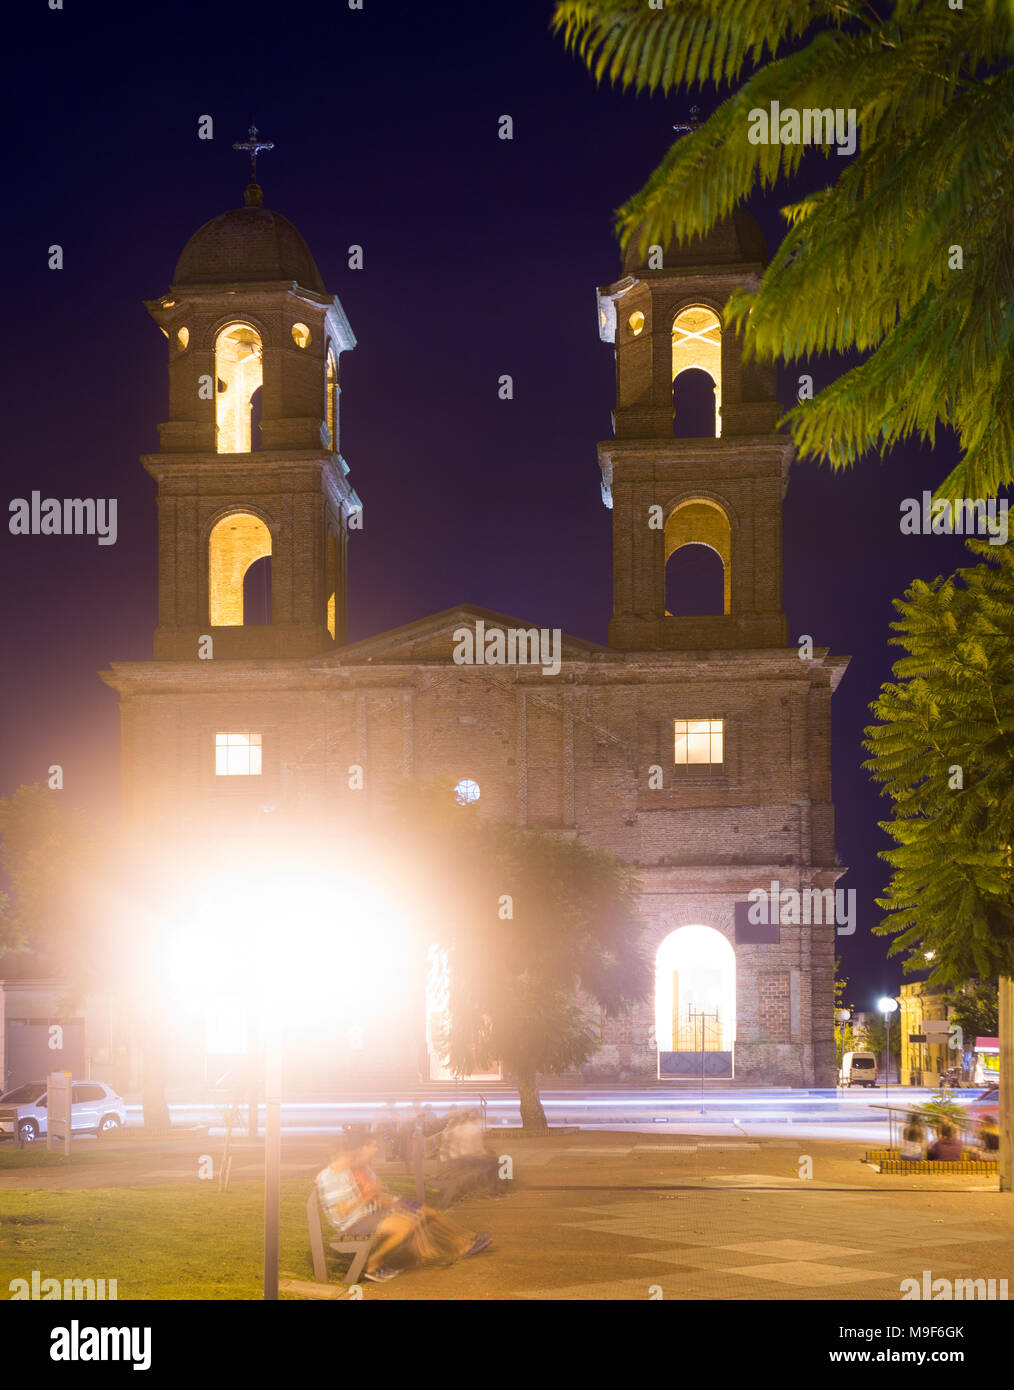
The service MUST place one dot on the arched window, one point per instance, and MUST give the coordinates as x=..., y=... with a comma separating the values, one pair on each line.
x=239, y=372
x=331, y=401
x=697, y=347
x=698, y=573
x=237, y=542
x=695, y=975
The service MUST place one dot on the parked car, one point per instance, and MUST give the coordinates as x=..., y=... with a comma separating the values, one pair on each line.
x=94, y=1108
x=987, y=1105
x=859, y=1069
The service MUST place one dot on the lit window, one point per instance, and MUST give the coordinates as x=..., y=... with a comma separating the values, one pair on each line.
x=636, y=322
x=237, y=755
x=183, y=338
x=466, y=791
x=699, y=744
x=301, y=335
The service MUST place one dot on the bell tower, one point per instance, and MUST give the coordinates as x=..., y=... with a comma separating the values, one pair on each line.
x=254, y=501
x=677, y=475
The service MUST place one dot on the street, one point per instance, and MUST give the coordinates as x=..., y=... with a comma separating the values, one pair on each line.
x=852, y=1114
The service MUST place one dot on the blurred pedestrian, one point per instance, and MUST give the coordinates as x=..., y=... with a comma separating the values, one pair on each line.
x=913, y=1145
x=947, y=1145
x=989, y=1138
x=405, y=1233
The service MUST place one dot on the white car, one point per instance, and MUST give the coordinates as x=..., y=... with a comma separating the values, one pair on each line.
x=94, y=1108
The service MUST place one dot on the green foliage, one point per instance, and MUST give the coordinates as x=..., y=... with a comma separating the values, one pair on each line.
x=952, y=705
x=943, y=1107
x=874, y=1037
x=976, y=1010
x=865, y=262
x=844, y=1034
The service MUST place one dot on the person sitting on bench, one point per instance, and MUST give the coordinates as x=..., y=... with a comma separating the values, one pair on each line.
x=947, y=1147
x=989, y=1139
x=357, y=1203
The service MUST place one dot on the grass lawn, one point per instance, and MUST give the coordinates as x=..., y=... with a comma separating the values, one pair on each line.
x=157, y=1242
x=36, y=1156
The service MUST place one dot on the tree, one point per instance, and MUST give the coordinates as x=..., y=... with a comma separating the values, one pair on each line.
x=540, y=934
x=874, y=1039
x=906, y=254
x=844, y=1033
x=942, y=752
x=976, y=1011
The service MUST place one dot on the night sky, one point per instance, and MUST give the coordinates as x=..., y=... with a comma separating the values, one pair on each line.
x=481, y=258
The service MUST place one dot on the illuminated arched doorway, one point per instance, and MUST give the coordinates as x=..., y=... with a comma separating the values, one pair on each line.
x=695, y=973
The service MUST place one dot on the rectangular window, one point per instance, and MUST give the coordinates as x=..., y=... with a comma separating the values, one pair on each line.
x=699, y=745
x=237, y=755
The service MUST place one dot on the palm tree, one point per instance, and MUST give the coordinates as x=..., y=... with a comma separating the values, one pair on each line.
x=906, y=255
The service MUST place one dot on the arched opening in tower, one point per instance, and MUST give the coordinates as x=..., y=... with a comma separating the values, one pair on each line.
x=694, y=582
x=693, y=405
x=698, y=551
x=696, y=371
x=238, y=374
x=237, y=543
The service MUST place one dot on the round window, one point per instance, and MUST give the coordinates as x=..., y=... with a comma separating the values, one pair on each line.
x=183, y=338
x=636, y=322
x=466, y=791
x=301, y=335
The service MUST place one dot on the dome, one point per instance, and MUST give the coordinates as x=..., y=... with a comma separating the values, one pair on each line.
x=247, y=244
x=736, y=240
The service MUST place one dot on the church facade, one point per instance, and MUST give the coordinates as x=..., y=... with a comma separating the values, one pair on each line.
x=695, y=745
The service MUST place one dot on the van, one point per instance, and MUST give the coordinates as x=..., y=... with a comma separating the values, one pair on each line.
x=859, y=1069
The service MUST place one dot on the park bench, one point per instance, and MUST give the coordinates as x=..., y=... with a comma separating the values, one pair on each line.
x=356, y=1246
x=451, y=1178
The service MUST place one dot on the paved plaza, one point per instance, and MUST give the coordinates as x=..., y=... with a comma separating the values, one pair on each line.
x=605, y=1216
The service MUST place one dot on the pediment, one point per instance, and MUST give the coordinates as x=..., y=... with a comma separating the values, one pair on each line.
x=436, y=637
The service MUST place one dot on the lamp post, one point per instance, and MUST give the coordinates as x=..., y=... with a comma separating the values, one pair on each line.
x=841, y=1017
x=887, y=1007
x=272, y=1150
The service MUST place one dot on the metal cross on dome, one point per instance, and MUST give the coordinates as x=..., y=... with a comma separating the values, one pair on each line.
x=254, y=147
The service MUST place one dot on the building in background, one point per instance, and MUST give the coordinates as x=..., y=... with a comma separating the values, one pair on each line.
x=695, y=745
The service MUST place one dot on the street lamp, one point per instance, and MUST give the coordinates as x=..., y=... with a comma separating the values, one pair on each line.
x=286, y=942
x=887, y=1007
x=841, y=1017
